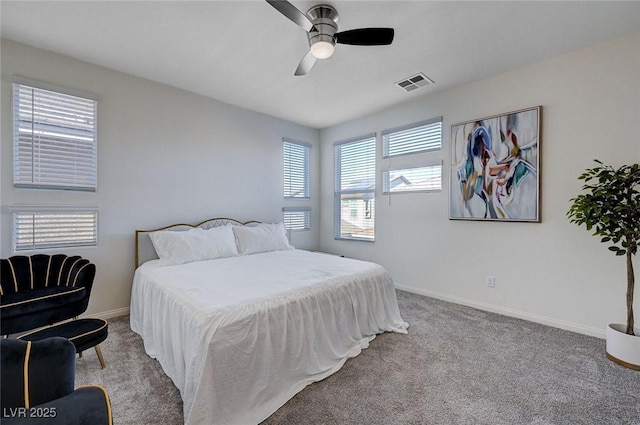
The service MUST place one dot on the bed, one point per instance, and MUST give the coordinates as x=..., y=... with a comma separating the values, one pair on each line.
x=241, y=333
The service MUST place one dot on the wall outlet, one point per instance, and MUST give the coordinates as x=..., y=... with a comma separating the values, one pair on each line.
x=491, y=281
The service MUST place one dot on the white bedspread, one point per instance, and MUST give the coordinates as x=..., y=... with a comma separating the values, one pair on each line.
x=240, y=336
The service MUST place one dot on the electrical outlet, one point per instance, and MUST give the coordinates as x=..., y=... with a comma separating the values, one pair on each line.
x=491, y=281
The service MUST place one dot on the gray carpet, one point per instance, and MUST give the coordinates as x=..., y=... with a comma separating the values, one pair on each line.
x=457, y=365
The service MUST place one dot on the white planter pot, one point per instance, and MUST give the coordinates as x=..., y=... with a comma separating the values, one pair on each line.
x=622, y=348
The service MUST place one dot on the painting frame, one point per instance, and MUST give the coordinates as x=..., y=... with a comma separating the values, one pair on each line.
x=495, y=167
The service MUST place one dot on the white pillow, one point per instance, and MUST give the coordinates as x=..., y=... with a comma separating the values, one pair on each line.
x=261, y=238
x=178, y=247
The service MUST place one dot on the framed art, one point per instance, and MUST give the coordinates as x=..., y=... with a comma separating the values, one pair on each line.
x=495, y=167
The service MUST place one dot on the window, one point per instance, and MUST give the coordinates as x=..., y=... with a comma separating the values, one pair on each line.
x=296, y=169
x=355, y=188
x=297, y=218
x=42, y=228
x=420, y=179
x=296, y=184
x=54, y=140
x=420, y=137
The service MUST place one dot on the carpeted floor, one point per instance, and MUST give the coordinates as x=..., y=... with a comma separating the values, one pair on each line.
x=457, y=365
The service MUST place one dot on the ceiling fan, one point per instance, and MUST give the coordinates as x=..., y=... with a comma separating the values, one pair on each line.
x=321, y=24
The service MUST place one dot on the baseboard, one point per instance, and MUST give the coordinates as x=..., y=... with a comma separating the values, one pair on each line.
x=569, y=326
x=109, y=314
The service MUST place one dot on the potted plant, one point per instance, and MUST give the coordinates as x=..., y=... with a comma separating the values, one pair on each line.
x=610, y=206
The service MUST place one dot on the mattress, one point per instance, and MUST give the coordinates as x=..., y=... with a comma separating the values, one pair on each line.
x=240, y=336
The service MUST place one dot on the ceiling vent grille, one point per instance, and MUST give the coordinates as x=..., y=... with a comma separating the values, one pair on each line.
x=415, y=82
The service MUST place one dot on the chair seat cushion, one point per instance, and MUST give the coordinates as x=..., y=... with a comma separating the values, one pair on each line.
x=84, y=333
x=35, y=300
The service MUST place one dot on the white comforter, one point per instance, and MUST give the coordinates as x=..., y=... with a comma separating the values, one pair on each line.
x=240, y=336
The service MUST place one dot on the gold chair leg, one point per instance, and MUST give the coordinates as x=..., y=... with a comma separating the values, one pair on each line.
x=99, y=353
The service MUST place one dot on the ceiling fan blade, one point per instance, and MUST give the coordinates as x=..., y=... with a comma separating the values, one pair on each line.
x=366, y=37
x=306, y=64
x=293, y=13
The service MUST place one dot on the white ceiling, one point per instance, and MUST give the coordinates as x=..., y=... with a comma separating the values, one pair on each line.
x=244, y=52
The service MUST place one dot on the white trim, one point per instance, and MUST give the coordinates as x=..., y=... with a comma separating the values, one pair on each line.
x=297, y=142
x=412, y=125
x=108, y=314
x=356, y=139
x=54, y=87
x=561, y=324
x=52, y=208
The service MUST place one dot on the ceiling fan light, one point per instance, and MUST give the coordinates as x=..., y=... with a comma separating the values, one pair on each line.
x=322, y=49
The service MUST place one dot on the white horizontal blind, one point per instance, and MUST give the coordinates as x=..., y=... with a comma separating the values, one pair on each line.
x=34, y=230
x=355, y=186
x=406, y=180
x=54, y=140
x=297, y=218
x=420, y=137
x=296, y=169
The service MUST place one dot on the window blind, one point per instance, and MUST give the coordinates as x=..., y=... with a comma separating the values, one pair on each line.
x=406, y=180
x=297, y=218
x=419, y=137
x=54, y=140
x=44, y=229
x=355, y=186
x=296, y=169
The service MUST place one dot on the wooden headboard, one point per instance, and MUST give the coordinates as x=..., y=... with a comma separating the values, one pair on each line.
x=145, y=250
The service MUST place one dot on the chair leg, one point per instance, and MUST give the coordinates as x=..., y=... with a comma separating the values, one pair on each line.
x=99, y=353
x=80, y=355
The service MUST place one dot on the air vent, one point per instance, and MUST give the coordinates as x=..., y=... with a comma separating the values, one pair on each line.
x=415, y=82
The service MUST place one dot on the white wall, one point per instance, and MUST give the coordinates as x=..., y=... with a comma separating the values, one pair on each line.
x=552, y=272
x=164, y=156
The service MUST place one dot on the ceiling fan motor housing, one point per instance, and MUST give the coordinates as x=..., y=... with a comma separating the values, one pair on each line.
x=325, y=24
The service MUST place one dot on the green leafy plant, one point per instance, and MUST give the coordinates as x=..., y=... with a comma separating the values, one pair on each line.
x=610, y=206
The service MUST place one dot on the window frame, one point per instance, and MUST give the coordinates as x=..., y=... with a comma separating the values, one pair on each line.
x=367, y=173
x=397, y=131
x=288, y=167
x=90, y=213
x=386, y=182
x=59, y=130
x=306, y=220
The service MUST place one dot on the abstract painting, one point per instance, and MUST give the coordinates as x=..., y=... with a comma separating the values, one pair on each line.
x=495, y=167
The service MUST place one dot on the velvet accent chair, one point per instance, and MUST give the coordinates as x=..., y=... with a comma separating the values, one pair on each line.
x=40, y=290
x=37, y=382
